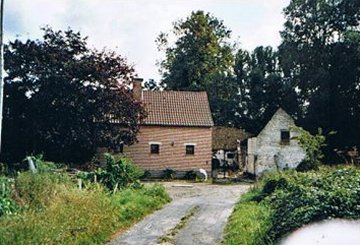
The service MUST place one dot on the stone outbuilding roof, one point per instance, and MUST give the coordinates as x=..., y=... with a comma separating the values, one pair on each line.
x=177, y=108
x=224, y=138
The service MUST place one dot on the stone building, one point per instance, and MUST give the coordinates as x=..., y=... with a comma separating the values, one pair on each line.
x=177, y=133
x=274, y=147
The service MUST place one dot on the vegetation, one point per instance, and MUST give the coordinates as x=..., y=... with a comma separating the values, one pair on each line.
x=283, y=202
x=313, y=75
x=119, y=173
x=320, y=55
x=7, y=204
x=61, y=97
x=50, y=209
x=312, y=145
x=200, y=59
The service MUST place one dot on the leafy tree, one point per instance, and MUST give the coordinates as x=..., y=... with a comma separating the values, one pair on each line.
x=201, y=59
x=262, y=88
x=152, y=85
x=65, y=100
x=319, y=53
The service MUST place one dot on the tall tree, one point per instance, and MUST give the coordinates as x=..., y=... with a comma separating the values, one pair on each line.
x=319, y=54
x=65, y=100
x=262, y=88
x=200, y=59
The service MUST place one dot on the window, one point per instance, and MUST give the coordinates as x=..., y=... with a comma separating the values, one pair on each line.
x=119, y=148
x=285, y=137
x=154, y=148
x=190, y=149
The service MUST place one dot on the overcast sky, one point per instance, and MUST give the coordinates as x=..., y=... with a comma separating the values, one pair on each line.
x=130, y=27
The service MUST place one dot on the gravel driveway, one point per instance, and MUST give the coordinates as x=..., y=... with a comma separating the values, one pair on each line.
x=197, y=215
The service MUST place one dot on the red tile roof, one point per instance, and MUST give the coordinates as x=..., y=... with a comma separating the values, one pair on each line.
x=177, y=108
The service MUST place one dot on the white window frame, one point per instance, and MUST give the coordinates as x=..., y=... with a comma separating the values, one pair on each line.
x=154, y=143
x=190, y=144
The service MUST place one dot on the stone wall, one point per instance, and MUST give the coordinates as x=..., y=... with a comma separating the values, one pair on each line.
x=268, y=152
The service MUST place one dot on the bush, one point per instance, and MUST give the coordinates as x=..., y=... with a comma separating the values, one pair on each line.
x=312, y=145
x=313, y=197
x=119, y=173
x=295, y=199
x=168, y=174
x=190, y=175
x=7, y=204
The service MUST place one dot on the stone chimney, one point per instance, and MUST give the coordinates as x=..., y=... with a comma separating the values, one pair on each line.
x=137, y=90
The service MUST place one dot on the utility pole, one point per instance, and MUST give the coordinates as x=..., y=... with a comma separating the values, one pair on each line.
x=1, y=67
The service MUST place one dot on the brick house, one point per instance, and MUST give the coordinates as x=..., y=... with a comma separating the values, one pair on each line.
x=177, y=133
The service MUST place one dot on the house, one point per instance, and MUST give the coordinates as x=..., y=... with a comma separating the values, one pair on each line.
x=274, y=148
x=177, y=133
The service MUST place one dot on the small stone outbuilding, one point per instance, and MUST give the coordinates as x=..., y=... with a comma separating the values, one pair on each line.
x=274, y=148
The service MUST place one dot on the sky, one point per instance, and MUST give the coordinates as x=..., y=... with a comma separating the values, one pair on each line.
x=130, y=27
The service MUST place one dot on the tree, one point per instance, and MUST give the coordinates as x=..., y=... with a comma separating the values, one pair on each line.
x=201, y=59
x=319, y=53
x=65, y=100
x=152, y=85
x=262, y=88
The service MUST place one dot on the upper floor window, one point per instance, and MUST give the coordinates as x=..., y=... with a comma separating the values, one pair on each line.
x=285, y=136
x=154, y=147
x=119, y=148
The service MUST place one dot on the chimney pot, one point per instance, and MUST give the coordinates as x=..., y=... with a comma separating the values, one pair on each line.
x=137, y=88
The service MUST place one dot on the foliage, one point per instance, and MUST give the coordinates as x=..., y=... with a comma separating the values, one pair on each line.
x=312, y=145
x=262, y=88
x=38, y=190
x=53, y=211
x=152, y=85
x=7, y=204
x=190, y=175
x=320, y=55
x=168, y=174
x=119, y=173
x=200, y=59
x=61, y=98
x=43, y=166
x=295, y=199
x=248, y=225
x=81, y=217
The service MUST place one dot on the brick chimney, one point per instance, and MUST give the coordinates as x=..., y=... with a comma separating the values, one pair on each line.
x=137, y=90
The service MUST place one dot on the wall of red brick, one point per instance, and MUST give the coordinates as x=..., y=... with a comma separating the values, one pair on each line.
x=172, y=149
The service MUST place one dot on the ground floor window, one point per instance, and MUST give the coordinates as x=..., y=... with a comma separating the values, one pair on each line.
x=190, y=149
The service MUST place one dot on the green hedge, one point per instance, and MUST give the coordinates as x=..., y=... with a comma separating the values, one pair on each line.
x=283, y=202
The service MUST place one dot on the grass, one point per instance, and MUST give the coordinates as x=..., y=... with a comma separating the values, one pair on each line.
x=54, y=211
x=249, y=223
x=169, y=237
x=282, y=202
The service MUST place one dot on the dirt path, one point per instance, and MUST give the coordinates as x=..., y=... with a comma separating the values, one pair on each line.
x=197, y=215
